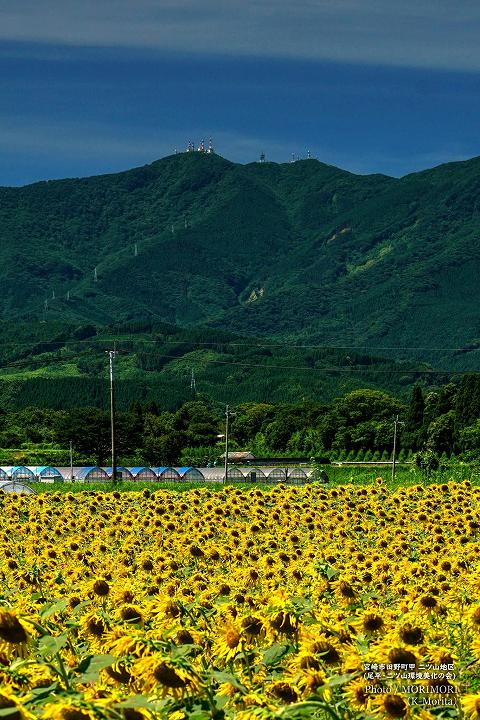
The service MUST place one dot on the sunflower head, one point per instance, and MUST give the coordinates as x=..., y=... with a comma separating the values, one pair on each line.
x=11, y=629
x=394, y=706
x=284, y=692
x=471, y=706
x=101, y=588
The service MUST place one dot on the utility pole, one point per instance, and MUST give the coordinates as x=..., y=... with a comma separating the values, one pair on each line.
x=111, y=357
x=396, y=423
x=227, y=417
x=71, y=460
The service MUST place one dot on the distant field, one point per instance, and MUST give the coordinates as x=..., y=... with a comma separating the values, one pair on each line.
x=338, y=475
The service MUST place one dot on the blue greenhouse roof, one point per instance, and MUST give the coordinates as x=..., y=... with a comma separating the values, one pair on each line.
x=189, y=471
x=42, y=468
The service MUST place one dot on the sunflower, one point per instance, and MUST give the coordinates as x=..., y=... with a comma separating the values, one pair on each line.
x=11, y=704
x=14, y=635
x=68, y=710
x=391, y=705
x=252, y=628
x=174, y=678
x=228, y=643
x=283, y=691
x=474, y=617
x=476, y=647
x=95, y=625
x=357, y=695
x=471, y=706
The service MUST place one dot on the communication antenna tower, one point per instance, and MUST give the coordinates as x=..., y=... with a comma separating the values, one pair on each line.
x=262, y=157
x=201, y=147
x=210, y=150
x=309, y=155
x=95, y=275
x=193, y=385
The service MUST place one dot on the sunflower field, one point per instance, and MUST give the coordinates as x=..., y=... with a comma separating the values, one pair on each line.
x=287, y=602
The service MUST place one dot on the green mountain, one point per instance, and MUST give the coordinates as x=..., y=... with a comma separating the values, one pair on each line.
x=299, y=254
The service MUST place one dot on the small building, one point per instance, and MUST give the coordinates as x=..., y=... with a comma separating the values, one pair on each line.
x=166, y=474
x=47, y=473
x=238, y=458
x=143, y=474
x=10, y=486
x=123, y=473
x=91, y=473
x=190, y=474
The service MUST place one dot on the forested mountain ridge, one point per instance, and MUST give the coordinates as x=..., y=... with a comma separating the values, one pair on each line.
x=301, y=252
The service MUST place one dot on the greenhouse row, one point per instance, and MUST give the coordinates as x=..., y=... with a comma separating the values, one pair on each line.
x=47, y=473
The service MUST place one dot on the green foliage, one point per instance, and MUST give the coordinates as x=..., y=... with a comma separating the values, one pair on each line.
x=413, y=433
x=301, y=253
x=162, y=443
x=199, y=456
x=469, y=441
x=228, y=368
x=467, y=404
x=427, y=461
x=358, y=426
x=89, y=431
x=440, y=433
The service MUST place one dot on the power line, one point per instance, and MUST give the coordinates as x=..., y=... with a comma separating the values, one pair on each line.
x=259, y=346
x=351, y=370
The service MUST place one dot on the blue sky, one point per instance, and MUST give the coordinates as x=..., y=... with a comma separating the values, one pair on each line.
x=368, y=85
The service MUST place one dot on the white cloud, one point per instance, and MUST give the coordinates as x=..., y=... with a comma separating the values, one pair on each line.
x=411, y=33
